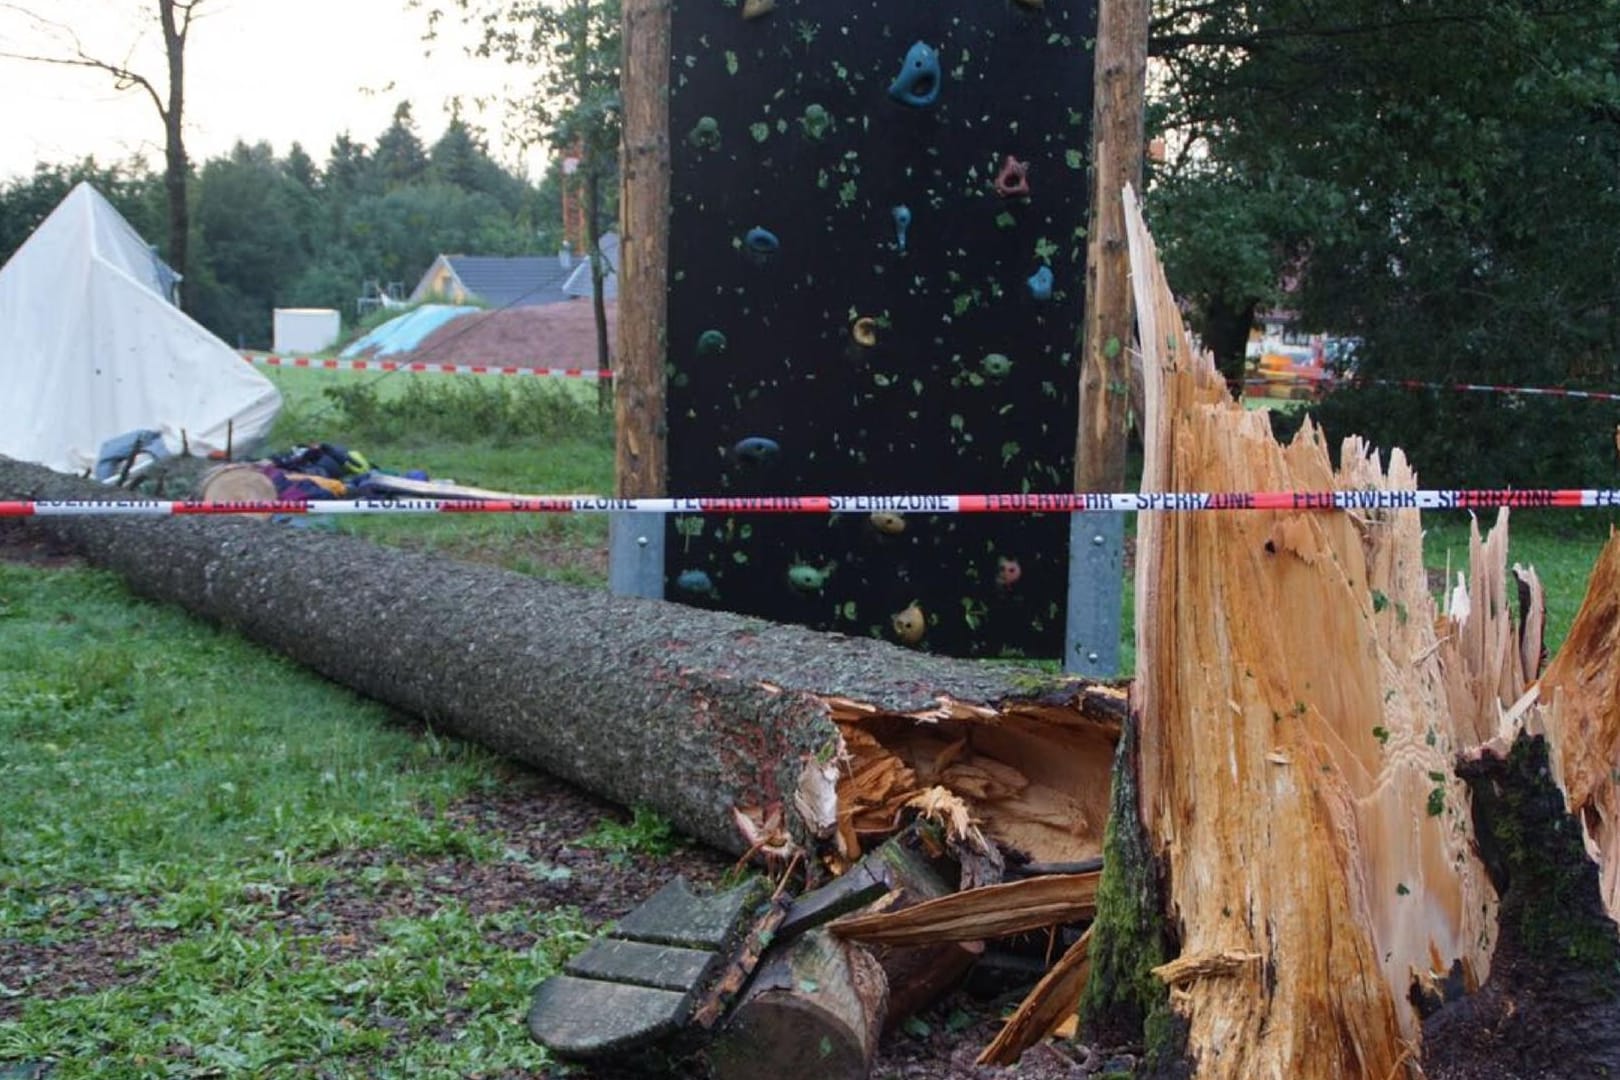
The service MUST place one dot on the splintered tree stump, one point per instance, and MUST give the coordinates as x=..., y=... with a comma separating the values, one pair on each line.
x=813, y=1012
x=1299, y=713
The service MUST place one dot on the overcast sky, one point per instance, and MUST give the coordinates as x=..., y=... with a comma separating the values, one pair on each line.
x=276, y=70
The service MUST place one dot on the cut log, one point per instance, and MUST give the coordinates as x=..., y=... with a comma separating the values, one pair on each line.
x=918, y=975
x=813, y=1012
x=699, y=715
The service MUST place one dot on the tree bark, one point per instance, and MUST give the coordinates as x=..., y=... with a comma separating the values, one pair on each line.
x=176, y=21
x=706, y=717
x=814, y=1011
x=593, y=229
x=1226, y=335
x=1117, y=150
x=639, y=388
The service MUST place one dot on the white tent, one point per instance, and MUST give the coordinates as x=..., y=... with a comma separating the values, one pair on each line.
x=93, y=349
x=579, y=282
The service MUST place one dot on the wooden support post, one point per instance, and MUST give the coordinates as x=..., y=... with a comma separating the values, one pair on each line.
x=640, y=464
x=1091, y=644
x=1117, y=147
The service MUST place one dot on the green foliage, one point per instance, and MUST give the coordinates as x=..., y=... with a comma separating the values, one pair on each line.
x=1478, y=440
x=1452, y=209
x=572, y=51
x=498, y=410
x=270, y=232
x=647, y=833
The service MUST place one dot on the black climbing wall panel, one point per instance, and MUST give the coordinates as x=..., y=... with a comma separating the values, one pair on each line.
x=824, y=341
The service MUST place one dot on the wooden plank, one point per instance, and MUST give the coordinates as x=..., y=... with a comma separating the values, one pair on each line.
x=674, y=916
x=584, y=1018
x=861, y=885
x=1117, y=147
x=662, y=967
x=976, y=914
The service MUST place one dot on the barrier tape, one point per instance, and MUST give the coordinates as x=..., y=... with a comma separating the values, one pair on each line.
x=1085, y=502
x=321, y=364
x=1328, y=381
x=1294, y=378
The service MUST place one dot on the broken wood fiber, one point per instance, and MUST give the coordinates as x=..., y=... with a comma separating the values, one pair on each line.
x=1296, y=739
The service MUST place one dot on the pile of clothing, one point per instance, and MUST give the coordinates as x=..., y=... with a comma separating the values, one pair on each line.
x=327, y=471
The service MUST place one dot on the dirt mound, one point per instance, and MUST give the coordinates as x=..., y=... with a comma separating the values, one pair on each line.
x=551, y=335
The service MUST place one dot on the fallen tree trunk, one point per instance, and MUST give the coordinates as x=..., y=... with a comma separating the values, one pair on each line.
x=739, y=731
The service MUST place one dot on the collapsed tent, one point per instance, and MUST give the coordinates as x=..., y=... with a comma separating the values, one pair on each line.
x=96, y=350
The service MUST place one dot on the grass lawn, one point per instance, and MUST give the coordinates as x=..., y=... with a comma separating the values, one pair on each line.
x=531, y=436
x=1562, y=545
x=177, y=809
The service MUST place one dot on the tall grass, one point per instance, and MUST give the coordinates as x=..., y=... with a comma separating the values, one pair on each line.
x=518, y=434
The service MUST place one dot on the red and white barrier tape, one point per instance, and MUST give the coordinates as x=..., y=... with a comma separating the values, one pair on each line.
x=1095, y=502
x=1301, y=378
x=322, y=364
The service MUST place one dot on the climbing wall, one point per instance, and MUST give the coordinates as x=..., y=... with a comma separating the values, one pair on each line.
x=876, y=270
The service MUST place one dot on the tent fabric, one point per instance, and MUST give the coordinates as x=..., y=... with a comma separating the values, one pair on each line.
x=405, y=332
x=579, y=282
x=95, y=349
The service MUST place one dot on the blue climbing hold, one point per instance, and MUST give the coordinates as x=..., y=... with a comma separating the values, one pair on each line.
x=1040, y=283
x=756, y=450
x=761, y=241
x=917, y=85
x=902, y=222
x=695, y=583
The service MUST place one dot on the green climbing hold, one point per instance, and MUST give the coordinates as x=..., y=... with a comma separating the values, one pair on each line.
x=996, y=365
x=711, y=343
x=815, y=121
x=705, y=134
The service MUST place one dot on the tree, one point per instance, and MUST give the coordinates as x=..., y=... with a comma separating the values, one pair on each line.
x=253, y=224
x=461, y=158
x=1394, y=167
x=174, y=18
x=348, y=168
x=399, y=157
x=575, y=46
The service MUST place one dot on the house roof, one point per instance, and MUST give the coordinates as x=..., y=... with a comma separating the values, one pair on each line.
x=579, y=279
x=516, y=281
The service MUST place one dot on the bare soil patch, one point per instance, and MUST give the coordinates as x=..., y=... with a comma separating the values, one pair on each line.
x=550, y=335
